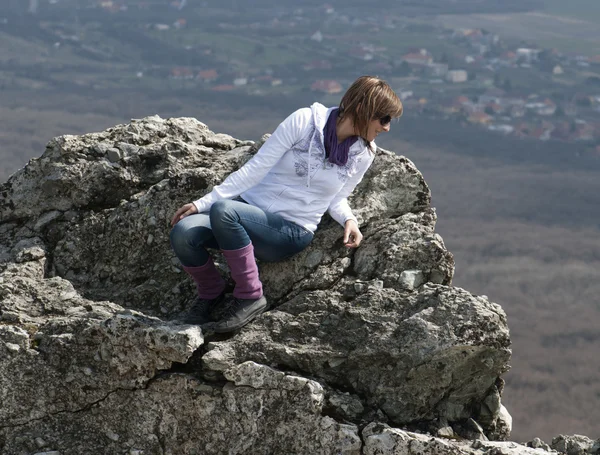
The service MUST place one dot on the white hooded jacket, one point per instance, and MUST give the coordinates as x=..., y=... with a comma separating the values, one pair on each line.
x=291, y=176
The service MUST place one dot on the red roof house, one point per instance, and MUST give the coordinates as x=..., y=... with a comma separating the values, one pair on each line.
x=327, y=86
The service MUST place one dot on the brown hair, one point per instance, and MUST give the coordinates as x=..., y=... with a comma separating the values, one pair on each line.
x=369, y=98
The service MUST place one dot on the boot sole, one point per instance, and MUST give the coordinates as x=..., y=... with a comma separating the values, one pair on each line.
x=232, y=328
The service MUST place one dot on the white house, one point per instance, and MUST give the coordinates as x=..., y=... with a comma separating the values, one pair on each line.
x=422, y=57
x=457, y=76
x=504, y=129
x=404, y=94
x=317, y=36
x=529, y=55
x=437, y=69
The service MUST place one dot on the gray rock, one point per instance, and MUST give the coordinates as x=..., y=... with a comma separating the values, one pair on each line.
x=572, y=445
x=503, y=425
x=471, y=429
x=380, y=439
x=46, y=219
x=411, y=279
x=348, y=407
x=93, y=360
x=399, y=351
x=444, y=429
x=177, y=413
x=113, y=155
x=537, y=443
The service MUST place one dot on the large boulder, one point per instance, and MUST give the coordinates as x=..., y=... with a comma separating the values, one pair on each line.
x=94, y=360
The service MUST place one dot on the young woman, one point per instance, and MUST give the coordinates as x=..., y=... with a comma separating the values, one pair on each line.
x=271, y=206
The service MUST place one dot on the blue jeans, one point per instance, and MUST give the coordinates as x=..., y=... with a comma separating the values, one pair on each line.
x=233, y=224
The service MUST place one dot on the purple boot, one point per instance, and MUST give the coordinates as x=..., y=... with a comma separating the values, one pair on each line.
x=211, y=291
x=248, y=299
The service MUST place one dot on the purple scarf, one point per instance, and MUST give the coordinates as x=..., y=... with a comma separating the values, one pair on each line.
x=337, y=153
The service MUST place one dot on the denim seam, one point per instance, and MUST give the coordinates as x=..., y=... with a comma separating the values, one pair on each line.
x=275, y=229
x=275, y=199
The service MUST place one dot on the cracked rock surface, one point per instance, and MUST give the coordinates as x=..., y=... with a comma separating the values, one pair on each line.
x=357, y=343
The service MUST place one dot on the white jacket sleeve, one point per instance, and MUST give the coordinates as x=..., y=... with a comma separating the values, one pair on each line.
x=339, y=209
x=285, y=136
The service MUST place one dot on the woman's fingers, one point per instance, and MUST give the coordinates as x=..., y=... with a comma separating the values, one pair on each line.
x=182, y=212
x=352, y=236
x=176, y=216
x=357, y=240
x=354, y=241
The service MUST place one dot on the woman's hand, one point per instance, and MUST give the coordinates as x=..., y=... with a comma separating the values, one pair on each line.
x=352, y=235
x=181, y=213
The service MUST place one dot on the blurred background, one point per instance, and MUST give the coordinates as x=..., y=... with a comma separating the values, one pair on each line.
x=502, y=117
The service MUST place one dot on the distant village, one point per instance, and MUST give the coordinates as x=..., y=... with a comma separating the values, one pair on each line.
x=472, y=85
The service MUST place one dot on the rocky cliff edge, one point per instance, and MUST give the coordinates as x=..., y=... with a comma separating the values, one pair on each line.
x=367, y=351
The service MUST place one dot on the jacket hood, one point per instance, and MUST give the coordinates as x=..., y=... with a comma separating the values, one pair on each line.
x=320, y=114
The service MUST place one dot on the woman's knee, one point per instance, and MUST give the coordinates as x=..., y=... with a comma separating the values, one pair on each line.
x=190, y=233
x=222, y=211
x=179, y=237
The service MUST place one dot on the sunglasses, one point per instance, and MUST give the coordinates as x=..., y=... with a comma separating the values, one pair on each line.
x=385, y=120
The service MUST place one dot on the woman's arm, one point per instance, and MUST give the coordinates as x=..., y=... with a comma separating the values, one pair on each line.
x=340, y=210
x=285, y=136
